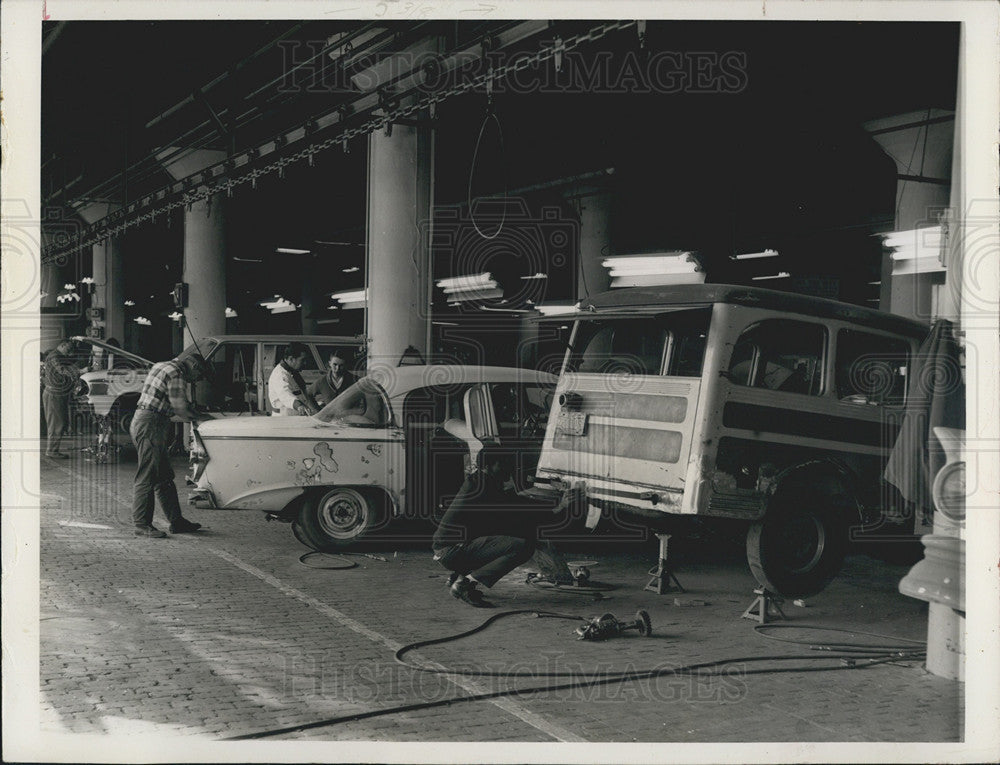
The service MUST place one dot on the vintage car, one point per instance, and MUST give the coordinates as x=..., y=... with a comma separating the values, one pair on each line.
x=760, y=411
x=396, y=443
x=239, y=368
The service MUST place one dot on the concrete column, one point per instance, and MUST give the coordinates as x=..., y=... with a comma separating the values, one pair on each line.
x=398, y=274
x=205, y=268
x=204, y=247
x=311, y=299
x=109, y=288
x=595, y=240
x=920, y=143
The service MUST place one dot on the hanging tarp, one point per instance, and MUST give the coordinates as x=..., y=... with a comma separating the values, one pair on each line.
x=935, y=396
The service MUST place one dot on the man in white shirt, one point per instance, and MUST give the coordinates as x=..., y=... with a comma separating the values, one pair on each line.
x=286, y=390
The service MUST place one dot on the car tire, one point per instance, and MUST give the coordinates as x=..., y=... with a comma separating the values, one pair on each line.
x=798, y=547
x=336, y=518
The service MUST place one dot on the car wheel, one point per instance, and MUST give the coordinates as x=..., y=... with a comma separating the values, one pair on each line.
x=797, y=548
x=122, y=412
x=334, y=519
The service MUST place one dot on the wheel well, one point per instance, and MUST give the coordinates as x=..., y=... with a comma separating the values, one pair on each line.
x=126, y=400
x=817, y=480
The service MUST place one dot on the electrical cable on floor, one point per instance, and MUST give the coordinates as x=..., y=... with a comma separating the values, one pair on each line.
x=595, y=590
x=345, y=564
x=846, y=661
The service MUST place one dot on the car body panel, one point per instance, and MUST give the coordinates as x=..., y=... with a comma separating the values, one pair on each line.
x=706, y=443
x=263, y=463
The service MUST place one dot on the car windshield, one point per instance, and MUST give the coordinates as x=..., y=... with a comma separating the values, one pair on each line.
x=204, y=346
x=362, y=405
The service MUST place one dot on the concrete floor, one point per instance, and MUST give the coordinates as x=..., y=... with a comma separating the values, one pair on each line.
x=226, y=633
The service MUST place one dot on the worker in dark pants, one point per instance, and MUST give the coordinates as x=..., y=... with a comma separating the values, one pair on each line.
x=488, y=530
x=163, y=396
x=59, y=375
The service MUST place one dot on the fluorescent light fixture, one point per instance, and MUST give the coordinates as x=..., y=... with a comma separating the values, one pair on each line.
x=536, y=275
x=875, y=283
x=480, y=294
x=923, y=265
x=277, y=305
x=468, y=283
x=658, y=280
x=920, y=238
x=350, y=299
x=779, y=275
x=292, y=251
x=557, y=309
x=482, y=286
x=230, y=313
x=351, y=270
x=653, y=270
x=143, y=321
x=754, y=255
x=649, y=265
x=350, y=296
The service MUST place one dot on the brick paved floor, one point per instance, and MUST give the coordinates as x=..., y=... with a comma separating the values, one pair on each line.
x=225, y=633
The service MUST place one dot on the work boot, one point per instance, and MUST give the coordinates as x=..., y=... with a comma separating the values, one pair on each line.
x=149, y=531
x=465, y=589
x=57, y=456
x=183, y=526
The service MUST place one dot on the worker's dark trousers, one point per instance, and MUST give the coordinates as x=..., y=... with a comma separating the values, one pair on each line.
x=56, y=419
x=487, y=559
x=155, y=474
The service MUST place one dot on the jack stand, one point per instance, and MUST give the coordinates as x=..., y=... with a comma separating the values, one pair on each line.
x=767, y=605
x=660, y=581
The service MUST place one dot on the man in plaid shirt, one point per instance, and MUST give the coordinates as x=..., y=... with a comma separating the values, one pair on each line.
x=164, y=395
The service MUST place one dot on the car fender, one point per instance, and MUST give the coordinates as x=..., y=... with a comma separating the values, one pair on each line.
x=269, y=499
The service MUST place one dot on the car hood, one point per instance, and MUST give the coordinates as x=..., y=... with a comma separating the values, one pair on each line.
x=247, y=426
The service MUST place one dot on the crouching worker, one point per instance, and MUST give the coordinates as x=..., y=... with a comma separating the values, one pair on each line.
x=488, y=530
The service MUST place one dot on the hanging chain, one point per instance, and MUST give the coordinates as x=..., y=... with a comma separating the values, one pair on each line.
x=226, y=183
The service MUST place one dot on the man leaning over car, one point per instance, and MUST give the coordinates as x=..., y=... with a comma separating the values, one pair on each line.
x=286, y=390
x=164, y=395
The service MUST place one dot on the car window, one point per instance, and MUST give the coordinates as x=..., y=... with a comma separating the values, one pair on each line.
x=354, y=360
x=233, y=388
x=781, y=355
x=871, y=369
x=362, y=405
x=672, y=343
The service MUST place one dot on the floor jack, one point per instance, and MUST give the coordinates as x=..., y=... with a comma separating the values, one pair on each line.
x=767, y=605
x=660, y=581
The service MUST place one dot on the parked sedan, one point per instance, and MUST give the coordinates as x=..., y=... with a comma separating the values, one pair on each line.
x=239, y=367
x=396, y=443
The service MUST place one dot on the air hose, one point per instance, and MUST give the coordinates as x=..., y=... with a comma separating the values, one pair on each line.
x=850, y=659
